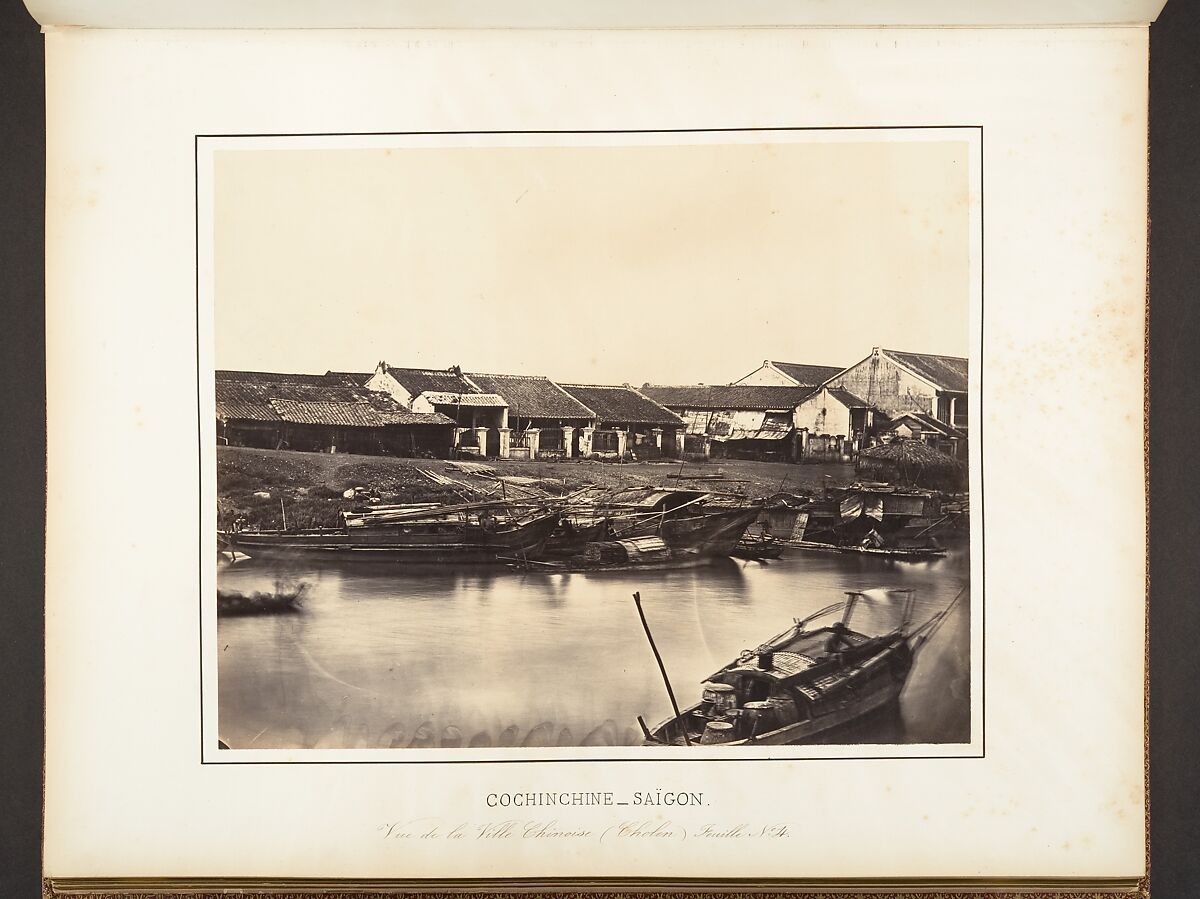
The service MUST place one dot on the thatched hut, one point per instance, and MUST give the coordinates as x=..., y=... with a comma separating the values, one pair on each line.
x=912, y=463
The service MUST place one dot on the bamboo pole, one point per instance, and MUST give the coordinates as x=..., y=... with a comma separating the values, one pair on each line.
x=637, y=601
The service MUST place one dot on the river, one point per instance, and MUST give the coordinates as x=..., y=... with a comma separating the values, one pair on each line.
x=383, y=657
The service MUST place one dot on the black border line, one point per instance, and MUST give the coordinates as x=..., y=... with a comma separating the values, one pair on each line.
x=976, y=448
x=199, y=434
x=196, y=138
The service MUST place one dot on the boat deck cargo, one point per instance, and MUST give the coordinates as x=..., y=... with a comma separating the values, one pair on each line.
x=687, y=521
x=469, y=532
x=870, y=518
x=804, y=683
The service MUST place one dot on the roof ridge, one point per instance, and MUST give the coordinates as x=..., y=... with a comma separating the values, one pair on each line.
x=597, y=386
x=492, y=374
x=431, y=371
x=342, y=402
x=736, y=386
x=804, y=364
x=928, y=355
x=258, y=371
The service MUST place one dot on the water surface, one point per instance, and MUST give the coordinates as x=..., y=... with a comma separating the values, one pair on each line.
x=386, y=656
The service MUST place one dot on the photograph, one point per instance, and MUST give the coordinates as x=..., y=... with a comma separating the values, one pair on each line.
x=590, y=445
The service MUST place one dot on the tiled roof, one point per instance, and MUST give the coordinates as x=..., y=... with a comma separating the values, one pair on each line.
x=946, y=372
x=419, y=380
x=622, y=404
x=350, y=378
x=807, y=375
x=245, y=401
x=476, y=400
x=325, y=403
x=357, y=414
x=847, y=399
x=927, y=423
x=404, y=417
x=533, y=396
x=270, y=377
x=736, y=396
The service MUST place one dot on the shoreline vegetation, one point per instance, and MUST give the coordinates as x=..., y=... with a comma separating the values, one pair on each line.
x=251, y=483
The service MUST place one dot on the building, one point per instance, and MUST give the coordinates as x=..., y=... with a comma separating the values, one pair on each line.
x=317, y=413
x=544, y=420
x=834, y=410
x=832, y=422
x=480, y=418
x=896, y=382
x=737, y=420
x=529, y=416
x=790, y=374
x=919, y=426
x=626, y=421
x=447, y=390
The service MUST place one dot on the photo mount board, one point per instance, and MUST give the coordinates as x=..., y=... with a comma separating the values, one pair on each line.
x=72, y=786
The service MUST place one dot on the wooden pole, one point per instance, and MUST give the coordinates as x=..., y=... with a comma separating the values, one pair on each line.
x=284, y=511
x=637, y=601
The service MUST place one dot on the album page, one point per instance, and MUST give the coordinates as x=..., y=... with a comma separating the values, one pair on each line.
x=632, y=454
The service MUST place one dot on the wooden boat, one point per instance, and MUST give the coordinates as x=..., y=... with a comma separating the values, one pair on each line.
x=466, y=533
x=760, y=547
x=636, y=553
x=687, y=521
x=280, y=602
x=713, y=531
x=804, y=683
x=574, y=532
x=872, y=519
x=911, y=554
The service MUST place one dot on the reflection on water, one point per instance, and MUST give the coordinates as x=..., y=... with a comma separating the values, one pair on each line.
x=384, y=656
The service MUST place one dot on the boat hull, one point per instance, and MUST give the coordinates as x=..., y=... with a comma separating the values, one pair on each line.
x=867, y=686
x=418, y=543
x=835, y=720
x=712, y=532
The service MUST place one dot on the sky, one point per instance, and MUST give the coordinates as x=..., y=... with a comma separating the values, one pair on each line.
x=619, y=264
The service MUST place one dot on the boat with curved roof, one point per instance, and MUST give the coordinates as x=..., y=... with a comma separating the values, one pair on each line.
x=807, y=681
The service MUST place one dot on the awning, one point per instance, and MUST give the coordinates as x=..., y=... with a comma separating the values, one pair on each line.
x=763, y=434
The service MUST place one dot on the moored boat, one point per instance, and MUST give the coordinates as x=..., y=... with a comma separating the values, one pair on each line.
x=805, y=683
x=466, y=533
x=692, y=522
x=758, y=547
x=635, y=553
x=279, y=602
x=870, y=519
x=713, y=531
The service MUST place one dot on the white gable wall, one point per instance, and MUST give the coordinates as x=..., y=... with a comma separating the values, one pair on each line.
x=383, y=382
x=767, y=376
x=822, y=413
x=883, y=383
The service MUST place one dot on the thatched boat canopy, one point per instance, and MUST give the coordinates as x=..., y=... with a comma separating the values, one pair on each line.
x=912, y=463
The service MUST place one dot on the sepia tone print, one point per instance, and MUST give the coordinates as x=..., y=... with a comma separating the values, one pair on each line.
x=593, y=443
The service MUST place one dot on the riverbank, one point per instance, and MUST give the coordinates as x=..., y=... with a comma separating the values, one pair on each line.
x=251, y=483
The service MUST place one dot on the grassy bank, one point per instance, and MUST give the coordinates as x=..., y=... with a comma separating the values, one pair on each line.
x=311, y=485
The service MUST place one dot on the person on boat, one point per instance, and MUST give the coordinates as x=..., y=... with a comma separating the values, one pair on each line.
x=837, y=638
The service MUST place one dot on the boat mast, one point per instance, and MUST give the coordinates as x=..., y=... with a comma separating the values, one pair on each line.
x=851, y=598
x=637, y=601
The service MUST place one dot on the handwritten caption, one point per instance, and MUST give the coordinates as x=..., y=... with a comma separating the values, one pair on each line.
x=551, y=829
